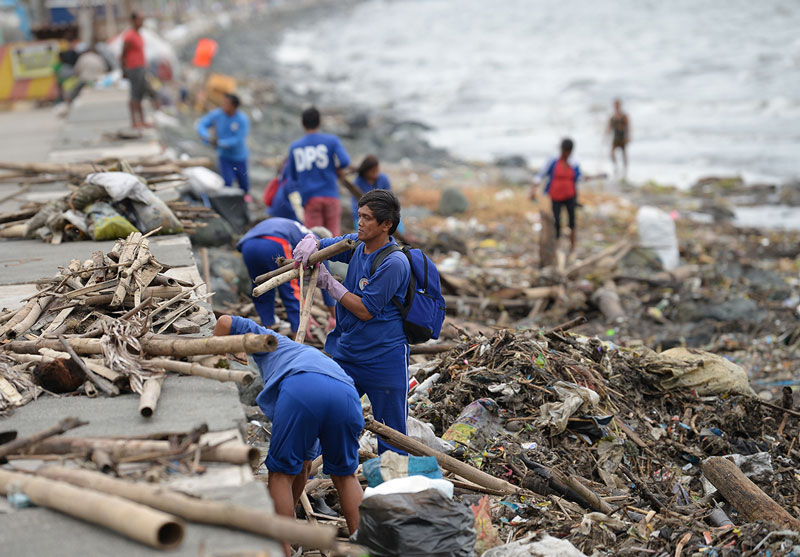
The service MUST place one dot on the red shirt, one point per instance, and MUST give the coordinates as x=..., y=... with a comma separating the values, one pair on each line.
x=134, y=57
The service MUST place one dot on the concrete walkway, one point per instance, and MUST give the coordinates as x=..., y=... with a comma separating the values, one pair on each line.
x=97, y=127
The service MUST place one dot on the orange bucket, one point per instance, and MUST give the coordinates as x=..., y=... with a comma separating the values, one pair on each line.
x=204, y=52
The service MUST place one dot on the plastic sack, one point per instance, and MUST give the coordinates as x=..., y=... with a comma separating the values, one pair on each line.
x=105, y=223
x=572, y=399
x=230, y=204
x=534, y=546
x=423, y=433
x=703, y=372
x=473, y=428
x=657, y=232
x=391, y=465
x=486, y=535
x=120, y=185
x=202, y=180
x=411, y=484
x=415, y=525
x=149, y=216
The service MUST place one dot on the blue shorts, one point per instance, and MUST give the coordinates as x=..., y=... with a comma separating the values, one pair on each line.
x=230, y=169
x=312, y=406
x=385, y=382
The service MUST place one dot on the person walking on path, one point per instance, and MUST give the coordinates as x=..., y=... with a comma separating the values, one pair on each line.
x=231, y=127
x=562, y=187
x=369, y=342
x=312, y=404
x=620, y=129
x=134, y=69
x=315, y=163
x=369, y=178
x=260, y=246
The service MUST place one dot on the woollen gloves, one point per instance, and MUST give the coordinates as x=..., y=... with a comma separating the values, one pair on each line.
x=325, y=280
x=304, y=249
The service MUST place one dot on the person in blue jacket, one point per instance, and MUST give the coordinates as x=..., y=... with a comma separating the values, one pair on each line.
x=312, y=404
x=287, y=202
x=368, y=340
x=260, y=246
x=315, y=163
x=231, y=127
x=369, y=178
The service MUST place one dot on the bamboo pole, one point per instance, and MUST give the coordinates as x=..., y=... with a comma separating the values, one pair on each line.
x=232, y=452
x=203, y=511
x=14, y=231
x=305, y=314
x=412, y=446
x=318, y=257
x=148, y=400
x=138, y=522
x=160, y=346
x=198, y=370
x=49, y=356
x=18, y=316
x=31, y=318
x=23, y=442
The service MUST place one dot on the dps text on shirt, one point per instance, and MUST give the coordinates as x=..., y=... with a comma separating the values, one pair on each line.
x=313, y=161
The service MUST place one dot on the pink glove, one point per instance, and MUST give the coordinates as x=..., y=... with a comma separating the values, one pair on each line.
x=331, y=324
x=304, y=249
x=334, y=287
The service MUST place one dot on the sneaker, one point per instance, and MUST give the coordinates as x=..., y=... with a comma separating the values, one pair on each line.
x=248, y=198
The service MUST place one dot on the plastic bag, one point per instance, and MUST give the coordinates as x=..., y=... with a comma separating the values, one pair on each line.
x=120, y=185
x=423, y=433
x=105, y=223
x=473, y=428
x=703, y=372
x=657, y=232
x=486, y=532
x=149, y=216
x=416, y=525
x=391, y=465
x=202, y=180
x=536, y=545
x=411, y=484
x=573, y=398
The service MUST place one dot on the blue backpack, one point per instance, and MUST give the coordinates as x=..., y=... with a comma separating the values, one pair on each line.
x=423, y=311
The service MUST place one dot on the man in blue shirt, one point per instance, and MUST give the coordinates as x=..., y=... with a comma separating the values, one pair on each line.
x=311, y=402
x=369, y=342
x=231, y=127
x=315, y=162
x=260, y=246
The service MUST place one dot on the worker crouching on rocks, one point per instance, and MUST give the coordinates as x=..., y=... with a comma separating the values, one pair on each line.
x=312, y=404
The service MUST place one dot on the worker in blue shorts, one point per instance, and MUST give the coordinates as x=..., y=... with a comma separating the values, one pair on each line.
x=312, y=403
x=368, y=341
x=260, y=246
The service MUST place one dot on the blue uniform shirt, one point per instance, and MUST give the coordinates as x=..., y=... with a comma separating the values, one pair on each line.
x=382, y=183
x=354, y=340
x=281, y=206
x=231, y=133
x=290, y=230
x=313, y=161
x=288, y=359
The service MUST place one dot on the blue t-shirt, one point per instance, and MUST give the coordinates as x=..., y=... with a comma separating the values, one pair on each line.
x=290, y=230
x=354, y=340
x=313, y=161
x=231, y=133
x=550, y=167
x=288, y=359
x=281, y=206
x=382, y=183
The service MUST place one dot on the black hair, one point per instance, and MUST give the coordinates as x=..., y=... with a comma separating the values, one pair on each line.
x=234, y=99
x=384, y=206
x=311, y=118
x=369, y=162
x=567, y=145
x=134, y=16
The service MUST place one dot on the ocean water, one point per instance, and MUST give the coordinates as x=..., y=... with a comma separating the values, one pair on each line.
x=712, y=87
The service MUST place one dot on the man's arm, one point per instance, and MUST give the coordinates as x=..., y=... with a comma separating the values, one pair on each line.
x=342, y=158
x=204, y=124
x=223, y=326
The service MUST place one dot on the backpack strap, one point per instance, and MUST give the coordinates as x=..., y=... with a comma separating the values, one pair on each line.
x=382, y=255
x=380, y=258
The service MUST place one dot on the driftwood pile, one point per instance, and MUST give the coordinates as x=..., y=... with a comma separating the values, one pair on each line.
x=115, y=307
x=618, y=464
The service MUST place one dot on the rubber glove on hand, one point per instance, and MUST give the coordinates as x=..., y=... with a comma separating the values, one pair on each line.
x=334, y=287
x=331, y=324
x=304, y=249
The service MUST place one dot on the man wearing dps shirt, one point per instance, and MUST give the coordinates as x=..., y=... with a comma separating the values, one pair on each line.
x=315, y=162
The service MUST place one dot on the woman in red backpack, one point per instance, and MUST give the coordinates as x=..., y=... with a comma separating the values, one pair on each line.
x=562, y=179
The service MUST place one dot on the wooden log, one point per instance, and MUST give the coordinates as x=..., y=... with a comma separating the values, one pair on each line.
x=148, y=400
x=594, y=259
x=592, y=498
x=14, y=231
x=488, y=301
x=138, y=522
x=607, y=299
x=23, y=214
x=547, y=239
x=397, y=439
x=745, y=496
x=35, y=311
x=22, y=443
x=432, y=348
x=203, y=511
x=199, y=370
x=288, y=269
x=308, y=304
x=18, y=316
x=163, y=345
x=232, y=452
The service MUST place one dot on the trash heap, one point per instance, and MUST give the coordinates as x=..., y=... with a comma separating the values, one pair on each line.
x=115, y=308
x=611, y=447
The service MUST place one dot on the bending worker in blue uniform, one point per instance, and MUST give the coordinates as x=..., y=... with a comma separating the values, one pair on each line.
x=308, y=398
x=368, y=341
x=231, y=127
x=265, y=242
